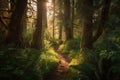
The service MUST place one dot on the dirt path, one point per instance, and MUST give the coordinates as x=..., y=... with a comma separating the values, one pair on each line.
x=59, y=72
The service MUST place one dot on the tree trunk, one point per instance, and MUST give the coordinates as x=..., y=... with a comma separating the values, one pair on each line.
x=103, y=19
x=15, y=28
x=12, y=4
x=37, y=41
x=54, y=18
x=45, y=14
x=3, y=5
x=67, y=20
x=72, y=17
x=87, y=15
x=61, y=19
x=3, y=13
x=3, y=22
x=60, y=31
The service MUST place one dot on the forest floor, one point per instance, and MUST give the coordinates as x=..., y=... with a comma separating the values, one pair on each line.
x=60, y=71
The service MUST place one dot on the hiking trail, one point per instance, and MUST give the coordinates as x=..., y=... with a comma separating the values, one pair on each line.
x=58, y=73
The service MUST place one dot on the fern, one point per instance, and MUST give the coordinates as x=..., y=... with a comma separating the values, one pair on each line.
x=99, y=66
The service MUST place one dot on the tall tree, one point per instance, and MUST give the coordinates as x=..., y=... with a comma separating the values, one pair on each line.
x=3, y=14
x=86, y=15
x=37, y=41
x=87, y=18
x=60, y=5
x=54, y=18
x=45, y=14
x=103, y=19
x=67, y=19
x=72, y=16
x=15, y=28
x=3, y=10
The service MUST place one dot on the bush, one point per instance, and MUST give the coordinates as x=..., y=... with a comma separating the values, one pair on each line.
x=71, y=48
x=99, y=66
x=48, y=61
x=25, y=63
x=107, y=44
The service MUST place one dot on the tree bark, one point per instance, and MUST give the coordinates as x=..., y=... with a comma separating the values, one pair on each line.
x=45, y=24
x=87, y=35
x=3, y=22
x=54, y=18
x=87, y=15
x=67, y=20
x=72, y=17
x=103, y=19
x=37, y=41
x=15, y=28
x=61, y=19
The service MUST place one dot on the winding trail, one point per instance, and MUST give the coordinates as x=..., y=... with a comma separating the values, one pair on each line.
x=58, y=73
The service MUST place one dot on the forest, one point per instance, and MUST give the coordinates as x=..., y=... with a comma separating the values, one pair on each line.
x=59, y=39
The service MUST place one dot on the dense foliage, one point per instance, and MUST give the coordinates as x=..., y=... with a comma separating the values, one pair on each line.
x=68, y=39
x=25, y=63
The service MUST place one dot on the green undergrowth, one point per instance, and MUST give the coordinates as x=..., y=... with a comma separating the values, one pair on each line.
x=103, y=63
x=25, y=63
x=97, y=66
x=49, y=60
x=71, y=48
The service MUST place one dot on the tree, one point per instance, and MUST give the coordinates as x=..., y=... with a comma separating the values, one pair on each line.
x=54, y=18
x=67, y=20
x=3, y=15
x=3, y=10
x=72, y=16
x=15, y=28
x=88, y=38
x=45, y=14
x=37, y=41
x=59, y=7
x=103, y=19
x=12, y=4
x=86, y=16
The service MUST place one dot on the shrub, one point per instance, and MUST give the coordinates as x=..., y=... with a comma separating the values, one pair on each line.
x=99, y=66
x=25, y=63
x=72, y=45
